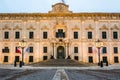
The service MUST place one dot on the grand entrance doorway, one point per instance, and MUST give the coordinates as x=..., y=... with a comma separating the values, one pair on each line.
x=60, y=52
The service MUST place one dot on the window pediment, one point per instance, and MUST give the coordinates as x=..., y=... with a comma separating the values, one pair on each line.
x=31, y=28
x=75, y=28
x=89, y=27
x=44, y=28
x=6, y=28
x=17, y=28
x=115, y=27
x=104, y=27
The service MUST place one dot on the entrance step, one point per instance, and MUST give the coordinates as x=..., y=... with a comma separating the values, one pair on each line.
x=61, y=62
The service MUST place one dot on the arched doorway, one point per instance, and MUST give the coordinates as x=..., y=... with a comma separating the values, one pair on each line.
x=60, y=52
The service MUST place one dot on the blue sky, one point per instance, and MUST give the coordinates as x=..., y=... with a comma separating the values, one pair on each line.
x=43, y=6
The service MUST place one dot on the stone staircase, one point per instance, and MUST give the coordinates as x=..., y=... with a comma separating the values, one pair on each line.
x=60, y=62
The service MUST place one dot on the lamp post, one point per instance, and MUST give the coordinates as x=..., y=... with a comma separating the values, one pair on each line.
x=99, y=44
x=22, y=45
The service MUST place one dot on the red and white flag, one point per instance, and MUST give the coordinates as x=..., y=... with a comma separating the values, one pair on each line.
x=95, y=50
x=18, y=50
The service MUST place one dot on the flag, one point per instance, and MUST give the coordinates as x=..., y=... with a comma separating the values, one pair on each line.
x=95, y=50
x=63, y=1
x=18, y=50
x=27, y=49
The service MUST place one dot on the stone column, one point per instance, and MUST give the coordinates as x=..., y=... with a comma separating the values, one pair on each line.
x=54, y=52
x=66, y=51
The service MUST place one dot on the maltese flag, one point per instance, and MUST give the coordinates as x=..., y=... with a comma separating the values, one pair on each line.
x=18, y=50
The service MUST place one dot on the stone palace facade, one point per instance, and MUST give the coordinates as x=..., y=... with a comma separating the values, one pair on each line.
x=60, y=33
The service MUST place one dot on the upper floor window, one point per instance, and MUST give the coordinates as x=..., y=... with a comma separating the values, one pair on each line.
x=115, y=50
x=31, y=35
x=104, y=50
x=31, y=49
x=6, y=35
x=104, y=35
x=115, y=35
x=45, y=35
x=90, y=35
x=60, y=34
x=75, y=49
x=5, y=50
x=17, y=35
x=89, y=49
x=45, y=49
x=75, y=35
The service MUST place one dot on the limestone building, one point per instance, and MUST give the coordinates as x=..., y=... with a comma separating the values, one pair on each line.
x=60, y=33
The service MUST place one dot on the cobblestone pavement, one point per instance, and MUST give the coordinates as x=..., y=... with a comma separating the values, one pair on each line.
x=93, y=74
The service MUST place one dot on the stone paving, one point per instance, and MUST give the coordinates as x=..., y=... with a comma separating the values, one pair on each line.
x=9, y=72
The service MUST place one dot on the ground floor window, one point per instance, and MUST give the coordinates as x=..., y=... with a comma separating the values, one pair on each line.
x=90, y=59
x=104, y=59
x=116, y=59
x=45, y=57
x=30, y=58
x=5, y=58
x=76, y=57
x=17, y=58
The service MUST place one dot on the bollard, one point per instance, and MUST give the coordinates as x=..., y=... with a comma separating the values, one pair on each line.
x=106, y=63
x=20, y=65
x=15, y=63
x=101, y=64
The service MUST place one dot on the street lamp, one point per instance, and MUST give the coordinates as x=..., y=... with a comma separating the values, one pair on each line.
x=22, y=45
x=99, y=44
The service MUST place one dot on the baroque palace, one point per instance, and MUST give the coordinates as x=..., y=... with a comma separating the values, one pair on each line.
x=60, y=34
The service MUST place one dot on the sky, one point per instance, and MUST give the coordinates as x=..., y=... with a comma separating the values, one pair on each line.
x=43, y=6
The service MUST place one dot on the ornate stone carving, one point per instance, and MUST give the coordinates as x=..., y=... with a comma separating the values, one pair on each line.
x=60, y=8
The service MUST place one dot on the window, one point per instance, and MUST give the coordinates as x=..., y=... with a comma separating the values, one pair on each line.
x=75, y=35
x=90, y=59
x=76, y=57
x=45, y=57
x=60, y=34
x=75, y=49
x=104, y=35
x=89, y=49
x=31, y=35
x=5, y=50
x=115, y=50
x=44, y=35
x=31, y=49
x=104, y=59
x=5, y=58
x=115, y=35
x=17, y=58
x=17, y=35
x=6, y=35
x=45, y=49
x=30, y=58
x=89, y=35
x=116, y=60
x=104, y=50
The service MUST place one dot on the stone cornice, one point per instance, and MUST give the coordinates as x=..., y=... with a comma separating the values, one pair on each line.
x=23, y=16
